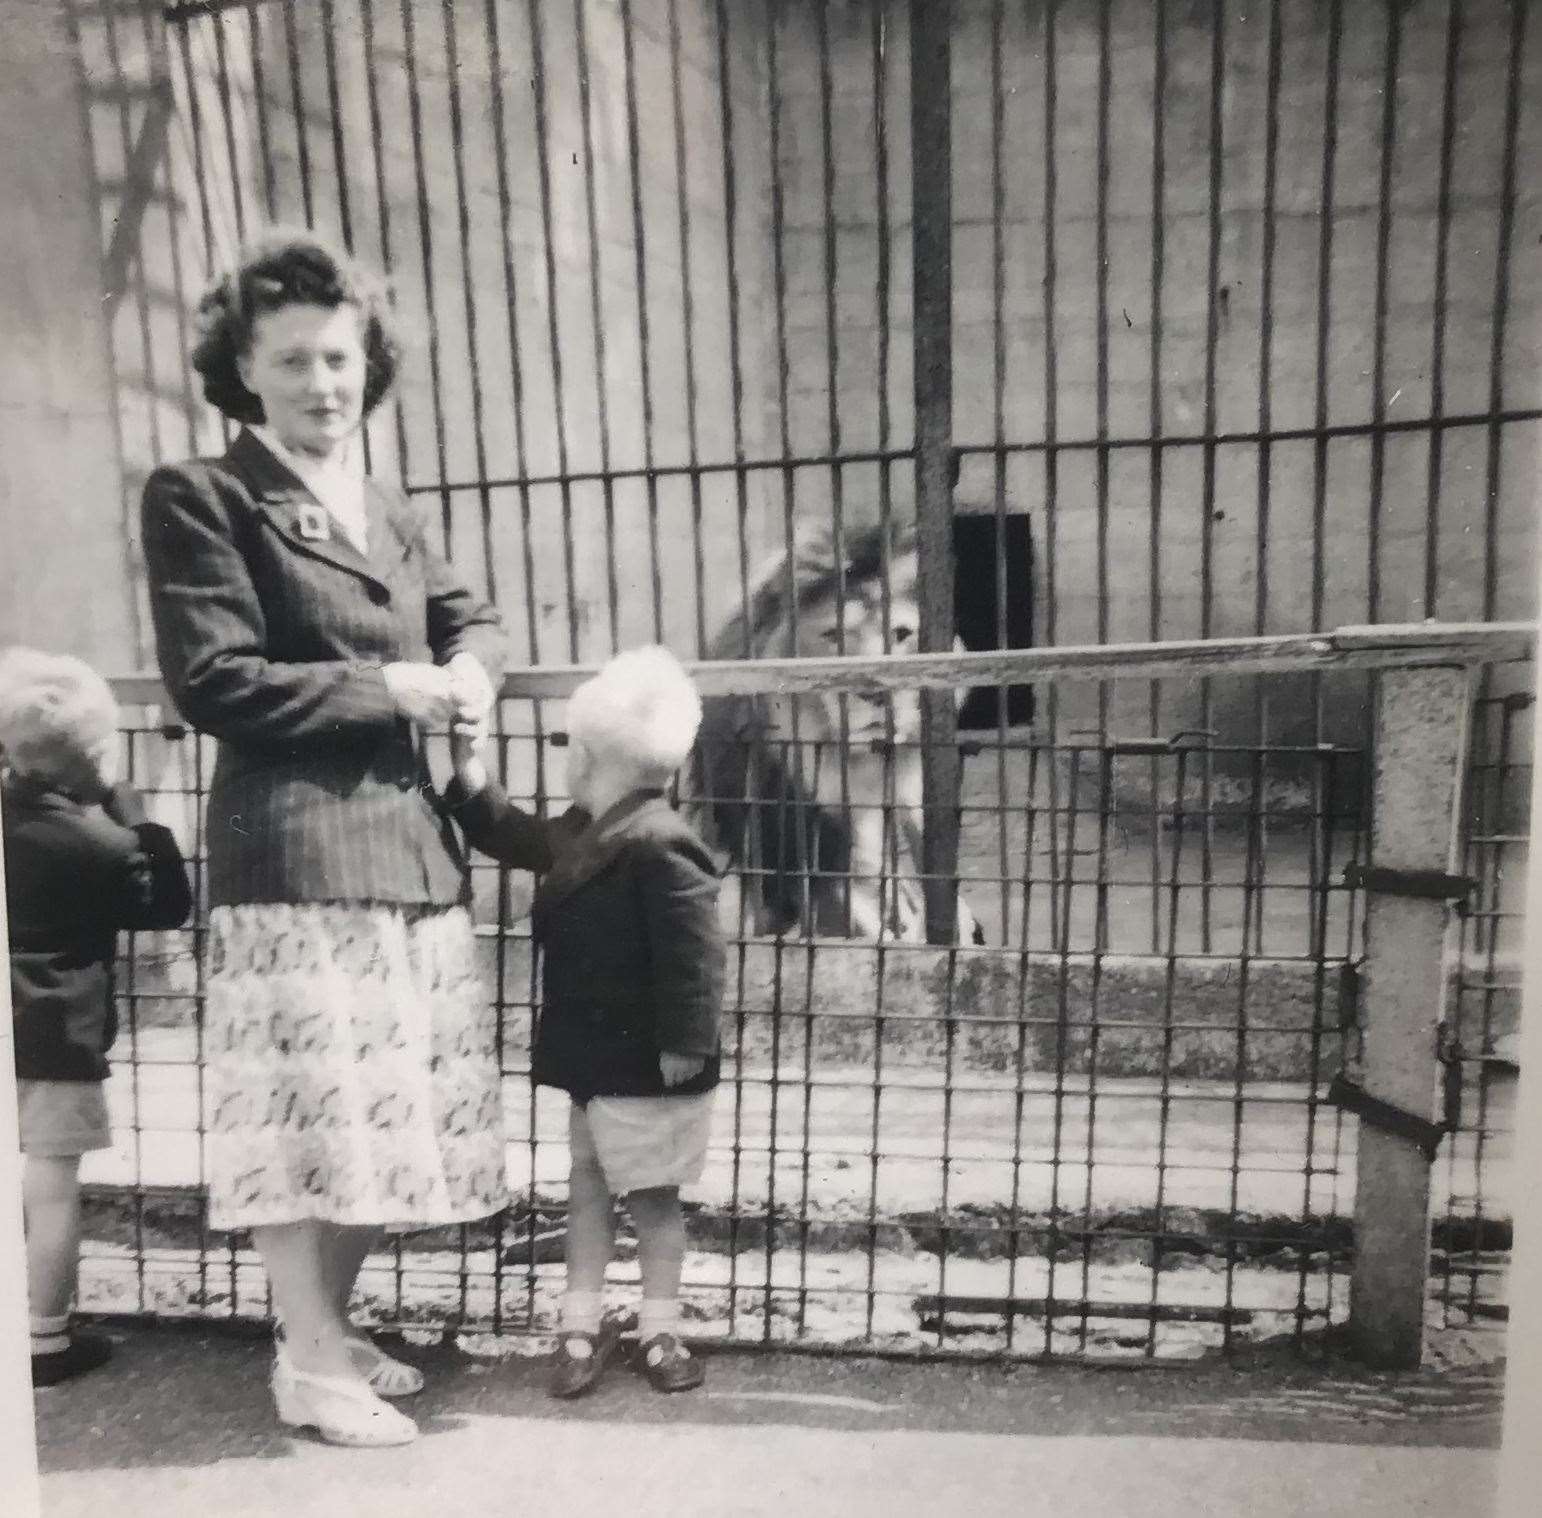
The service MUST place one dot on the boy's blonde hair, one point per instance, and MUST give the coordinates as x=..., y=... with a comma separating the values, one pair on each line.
x=640, y=710
x=53, y=709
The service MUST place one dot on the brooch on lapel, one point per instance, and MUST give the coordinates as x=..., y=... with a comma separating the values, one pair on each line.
x=314, y=526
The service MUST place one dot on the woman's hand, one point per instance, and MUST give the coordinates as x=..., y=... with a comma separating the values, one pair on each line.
x=470, y=688
x=422, y=692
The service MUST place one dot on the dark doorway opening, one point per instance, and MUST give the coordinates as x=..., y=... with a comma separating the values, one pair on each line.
x=978, y=542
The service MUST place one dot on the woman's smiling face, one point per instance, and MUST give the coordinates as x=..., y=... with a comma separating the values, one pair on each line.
x=306, y=365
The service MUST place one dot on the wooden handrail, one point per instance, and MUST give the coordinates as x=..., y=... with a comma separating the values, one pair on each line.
x=1390, y=646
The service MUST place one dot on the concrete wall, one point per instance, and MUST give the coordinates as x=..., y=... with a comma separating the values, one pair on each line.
x=63, y=578
x=1472, y=516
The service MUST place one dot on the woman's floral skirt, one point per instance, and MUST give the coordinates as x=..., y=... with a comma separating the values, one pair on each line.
x=352, y=1067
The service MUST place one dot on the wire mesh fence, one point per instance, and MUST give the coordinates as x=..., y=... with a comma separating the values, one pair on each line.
x=1099, y=1131
x=1474, y=1237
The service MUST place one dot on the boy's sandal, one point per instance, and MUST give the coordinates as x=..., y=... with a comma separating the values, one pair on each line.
x=669, y=1365
x=84, y=1352
x=574, y=1374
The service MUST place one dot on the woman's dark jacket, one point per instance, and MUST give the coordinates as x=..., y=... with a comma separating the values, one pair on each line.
x=272, y=631
x=632, y=956
x=74, y=875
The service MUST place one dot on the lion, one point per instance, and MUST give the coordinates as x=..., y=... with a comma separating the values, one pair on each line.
x=825, y=837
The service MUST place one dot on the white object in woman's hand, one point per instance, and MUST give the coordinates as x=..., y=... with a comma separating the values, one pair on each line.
x=422, y=693
x=470, y=688
x=466, y=743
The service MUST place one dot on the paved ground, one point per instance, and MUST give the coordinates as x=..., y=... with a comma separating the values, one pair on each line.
x=180, y=1424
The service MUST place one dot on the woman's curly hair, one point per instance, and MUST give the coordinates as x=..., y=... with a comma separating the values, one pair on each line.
x=285, y=267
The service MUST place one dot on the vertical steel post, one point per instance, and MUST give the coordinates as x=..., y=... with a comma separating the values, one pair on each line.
x=931, y=244
x=1421, y=748
x=1523, y=1390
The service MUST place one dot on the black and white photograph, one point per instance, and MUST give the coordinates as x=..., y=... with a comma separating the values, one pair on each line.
x=935, y=598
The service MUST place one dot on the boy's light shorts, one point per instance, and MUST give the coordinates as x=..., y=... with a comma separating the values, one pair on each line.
x=640, y=1142
x=60, y=1119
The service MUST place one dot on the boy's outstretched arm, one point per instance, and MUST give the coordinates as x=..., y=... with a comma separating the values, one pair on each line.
x=493, y=824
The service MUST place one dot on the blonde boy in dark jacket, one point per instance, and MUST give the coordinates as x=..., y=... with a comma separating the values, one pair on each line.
x=632, y=977
x=81, y=862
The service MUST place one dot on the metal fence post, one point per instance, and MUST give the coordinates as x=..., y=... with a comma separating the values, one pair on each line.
x=1421, y=749
x=931, y=242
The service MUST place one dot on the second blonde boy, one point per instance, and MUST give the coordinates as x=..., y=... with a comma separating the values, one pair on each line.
x=632, y=977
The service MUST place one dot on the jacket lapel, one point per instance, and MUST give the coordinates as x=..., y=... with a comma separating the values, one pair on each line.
x=300, y=518
x=596, y=847
x=390, y=537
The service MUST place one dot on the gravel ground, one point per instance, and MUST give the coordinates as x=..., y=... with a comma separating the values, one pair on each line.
x=190, y=1394
x=180, y=1423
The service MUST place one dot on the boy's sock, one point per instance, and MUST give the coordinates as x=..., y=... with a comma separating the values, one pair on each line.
x=658, y=1316
x=50, y=1335
x=581, y=1312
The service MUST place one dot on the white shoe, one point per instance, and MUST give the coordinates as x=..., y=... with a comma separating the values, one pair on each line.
x=387, y=1377
x=341, y=1409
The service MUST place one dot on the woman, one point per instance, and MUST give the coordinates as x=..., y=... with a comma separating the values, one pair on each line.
x=304, y=620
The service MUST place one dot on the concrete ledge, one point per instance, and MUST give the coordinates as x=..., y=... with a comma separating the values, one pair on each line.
x=985, y=1009
x=988, y=1009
